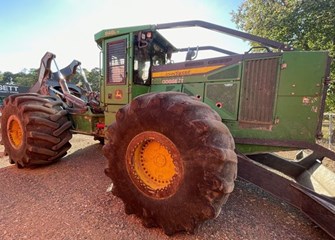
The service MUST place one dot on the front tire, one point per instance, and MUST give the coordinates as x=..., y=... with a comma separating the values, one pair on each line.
x=35, y=129
x=171, y=160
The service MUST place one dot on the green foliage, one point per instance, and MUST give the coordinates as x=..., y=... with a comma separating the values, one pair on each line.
x=94, y=78
x=8, y=77
x=305, y=24
x=330, y=100
x=28, y=78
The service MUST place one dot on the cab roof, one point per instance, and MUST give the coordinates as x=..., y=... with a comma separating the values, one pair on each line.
x=114, y=32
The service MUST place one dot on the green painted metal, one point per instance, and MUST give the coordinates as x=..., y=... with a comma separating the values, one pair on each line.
x=115, y=32
x=138, y=90
x=166, y=88
x=110, y=112
x=271, y=101
x=86, y=123
x=298, y=102
x=118, y=92
x=291, y=102
x=227, y=99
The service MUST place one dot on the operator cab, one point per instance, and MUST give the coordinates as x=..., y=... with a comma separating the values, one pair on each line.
x=128, y=56
x=150, y=49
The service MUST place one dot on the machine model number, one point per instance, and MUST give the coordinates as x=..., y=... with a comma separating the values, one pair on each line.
x=172, y=81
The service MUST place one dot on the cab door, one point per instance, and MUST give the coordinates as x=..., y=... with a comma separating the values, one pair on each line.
x=116, y=71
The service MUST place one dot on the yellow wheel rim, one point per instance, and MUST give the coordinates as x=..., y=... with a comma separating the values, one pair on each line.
x=154, y=165
x=15, y=131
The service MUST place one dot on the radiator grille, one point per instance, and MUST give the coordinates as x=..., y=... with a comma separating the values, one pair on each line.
x=258, y=92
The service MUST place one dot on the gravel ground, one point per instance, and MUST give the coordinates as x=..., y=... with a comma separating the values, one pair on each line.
x=68, y=200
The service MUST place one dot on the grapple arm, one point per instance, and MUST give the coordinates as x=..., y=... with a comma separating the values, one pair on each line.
x=67, y=72
x=44, y=72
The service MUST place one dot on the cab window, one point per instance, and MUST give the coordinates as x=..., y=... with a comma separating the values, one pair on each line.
x=116, y=62
x=146, y=55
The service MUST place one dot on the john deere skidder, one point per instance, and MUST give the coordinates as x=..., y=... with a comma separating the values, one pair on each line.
x=174, y=131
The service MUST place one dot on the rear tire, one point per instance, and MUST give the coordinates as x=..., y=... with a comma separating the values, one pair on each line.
x=171, y=160
x=35, y=129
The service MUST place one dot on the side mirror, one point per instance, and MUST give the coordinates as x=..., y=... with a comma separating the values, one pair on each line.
x=191, y=54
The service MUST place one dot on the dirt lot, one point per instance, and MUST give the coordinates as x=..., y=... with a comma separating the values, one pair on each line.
x=69, y=200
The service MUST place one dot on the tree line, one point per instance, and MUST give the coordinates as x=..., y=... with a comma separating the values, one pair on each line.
x=27, y=78
x=305, y=24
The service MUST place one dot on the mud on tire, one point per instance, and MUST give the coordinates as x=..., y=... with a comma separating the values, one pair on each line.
x=35, y=129
x=171, y=160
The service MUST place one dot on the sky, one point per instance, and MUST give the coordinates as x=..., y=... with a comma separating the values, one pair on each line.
x=30, y=28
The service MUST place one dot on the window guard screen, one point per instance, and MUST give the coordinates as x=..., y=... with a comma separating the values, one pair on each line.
x=116, y=62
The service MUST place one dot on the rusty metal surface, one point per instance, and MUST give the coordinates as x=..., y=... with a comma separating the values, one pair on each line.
x=322, y=151
x=318, y=208
x=258, y=91
x=159, y=173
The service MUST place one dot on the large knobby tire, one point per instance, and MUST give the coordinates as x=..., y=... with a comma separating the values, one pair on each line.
x=171, y=161
x=35, y=129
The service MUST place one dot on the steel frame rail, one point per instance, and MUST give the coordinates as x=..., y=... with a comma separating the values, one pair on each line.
x=228, y=31
x=255, y=169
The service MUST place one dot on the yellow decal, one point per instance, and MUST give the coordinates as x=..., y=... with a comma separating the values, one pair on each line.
x=111, y=32
x=185, y=72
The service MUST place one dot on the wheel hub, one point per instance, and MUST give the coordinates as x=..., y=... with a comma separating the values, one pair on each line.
x=15, y=131
x=154, y=165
